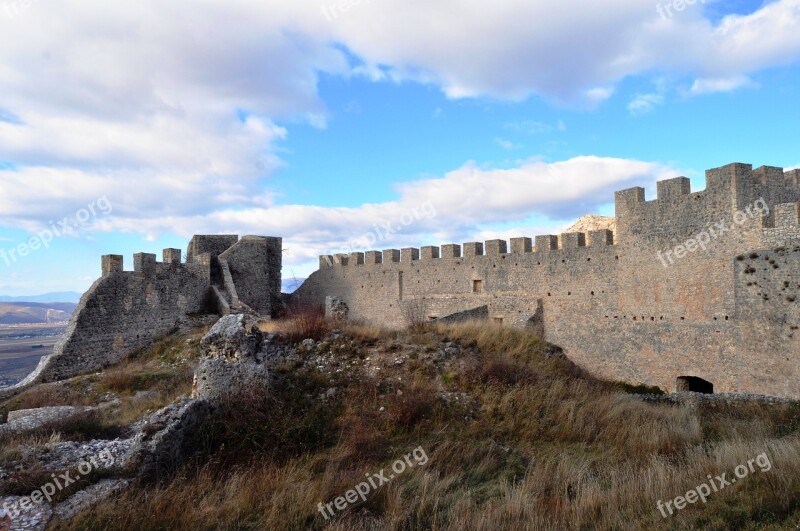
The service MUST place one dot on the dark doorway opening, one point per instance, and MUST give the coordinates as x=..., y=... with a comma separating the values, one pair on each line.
x=694, y=384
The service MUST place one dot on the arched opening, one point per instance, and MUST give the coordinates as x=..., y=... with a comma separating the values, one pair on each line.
x=694, y=384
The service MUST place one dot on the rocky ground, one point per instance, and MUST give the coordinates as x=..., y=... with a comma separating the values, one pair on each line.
x=231, y=353
x=161, y=407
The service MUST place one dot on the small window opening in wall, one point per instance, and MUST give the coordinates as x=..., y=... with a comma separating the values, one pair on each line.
x=477, y=286
x=498, y=321
x=694, y=384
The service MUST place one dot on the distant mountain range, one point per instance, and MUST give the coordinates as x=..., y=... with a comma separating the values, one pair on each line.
x=288, y=285
x=35, y=312
x=59, y=296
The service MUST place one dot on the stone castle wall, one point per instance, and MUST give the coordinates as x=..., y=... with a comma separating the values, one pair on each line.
x=624, y=311
x=125, y=311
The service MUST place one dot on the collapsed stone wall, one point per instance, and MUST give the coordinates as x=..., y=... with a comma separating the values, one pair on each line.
x=616, y=305
x=125, y=311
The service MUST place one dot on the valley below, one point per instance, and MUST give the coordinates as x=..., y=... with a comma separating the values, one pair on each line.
x=21, y=347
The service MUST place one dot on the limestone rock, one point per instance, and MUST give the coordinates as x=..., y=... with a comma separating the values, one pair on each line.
x=233, y=337
x=591, y=222
x=216, y=379
x=336, y=308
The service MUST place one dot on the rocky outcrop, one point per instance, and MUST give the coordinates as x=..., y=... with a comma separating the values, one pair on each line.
x=25, y=420
x=591, y=222
x=233, y=337
x=231, y=364
x=85, y=499
x=164, y=441
x=336, y=308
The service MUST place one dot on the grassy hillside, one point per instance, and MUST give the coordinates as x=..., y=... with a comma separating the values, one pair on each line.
x=33, y=312
x=497, y=430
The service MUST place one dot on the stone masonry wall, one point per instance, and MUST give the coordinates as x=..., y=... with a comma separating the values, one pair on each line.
x=624, y=311
x=213, y=245
x=767, y=294
x=255, y=267
x=126, y=310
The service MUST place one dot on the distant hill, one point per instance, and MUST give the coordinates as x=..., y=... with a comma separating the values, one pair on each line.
x=35, y=312
x=593, y=222
x=59, y=296
x=288, y=285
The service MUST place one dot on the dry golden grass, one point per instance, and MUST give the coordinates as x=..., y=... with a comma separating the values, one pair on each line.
x=164, y=371
x=545, y=446
x=269, y=327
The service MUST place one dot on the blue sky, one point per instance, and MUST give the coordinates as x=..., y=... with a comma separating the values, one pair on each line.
x=323, y=121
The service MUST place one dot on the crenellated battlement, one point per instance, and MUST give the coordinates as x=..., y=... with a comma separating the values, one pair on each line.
x=146, y=263
x=470, y=250
x=673, y=215
x=689, y=283
x=728, y=189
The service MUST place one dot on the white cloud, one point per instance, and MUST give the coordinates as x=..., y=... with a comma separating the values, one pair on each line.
x=597, y=95
x=645, y=103
x=464, y=200
x=506, y=144
x=726, y=84
x=170, y=108
x=534, y=127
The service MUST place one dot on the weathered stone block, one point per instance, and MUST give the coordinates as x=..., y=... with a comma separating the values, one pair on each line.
x=111, y=263
x=451, y=250
x=521, y=245
x=473, y=249
x=496, y=247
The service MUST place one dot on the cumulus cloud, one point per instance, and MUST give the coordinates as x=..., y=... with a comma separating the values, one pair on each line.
x=174, y=109
x=454, y=207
